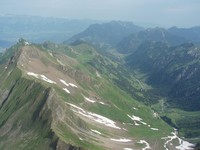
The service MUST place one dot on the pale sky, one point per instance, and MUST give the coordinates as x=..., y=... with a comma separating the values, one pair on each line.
x=165, y=13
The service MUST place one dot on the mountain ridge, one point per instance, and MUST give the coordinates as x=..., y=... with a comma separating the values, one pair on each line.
x=83, y=106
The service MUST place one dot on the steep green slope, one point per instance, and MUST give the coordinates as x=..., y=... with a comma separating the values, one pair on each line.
x=21, y=125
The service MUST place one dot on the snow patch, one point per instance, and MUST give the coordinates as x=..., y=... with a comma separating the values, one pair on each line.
x=66, y=90
x=121, y=140
x=43, y=77
x=135, y=108
x=64, y=82
x=98, y=75
x=102, y=103
x=138, y=119
x=146, y=143
x=75, y=106
x=184, y=145
x=155, y=129
x=95, y=131
x=127, y=149
x=33, y=74
x=135, y=118
x=89, y=100
x=144, y=123
x=136, y=124
x=26, y=43
x=51, y=54
x=73, y=85
x=95, y=117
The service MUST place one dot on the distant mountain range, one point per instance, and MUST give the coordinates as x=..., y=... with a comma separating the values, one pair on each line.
x=40, y=29
x=126, y=36
x=173, y=36
x=190, y=34
x=106, y=34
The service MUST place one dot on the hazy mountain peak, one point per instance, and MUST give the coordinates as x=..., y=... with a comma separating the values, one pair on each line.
x=108, y=34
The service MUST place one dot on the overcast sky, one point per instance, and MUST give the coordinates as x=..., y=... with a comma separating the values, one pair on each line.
x=166, y=13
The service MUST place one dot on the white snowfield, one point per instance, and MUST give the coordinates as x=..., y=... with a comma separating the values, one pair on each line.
x=65, y=83
x=43, y=77
x=33, y=74
x=155, y=129
x=68, y=84
x=102, y=103
x=50, y=54
x=73, y=85
x=144, y=123
x=146, y=143
x=89, y=100
x=184, y=145
x=95, y=117
x=123, y=140
x=26, y=43
x=66, y=90
x=127, y=149
x=135, y=108
x=138, y=120
x=95, y=131
x=98, y=75
x=135, y=118
x=136, y=124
